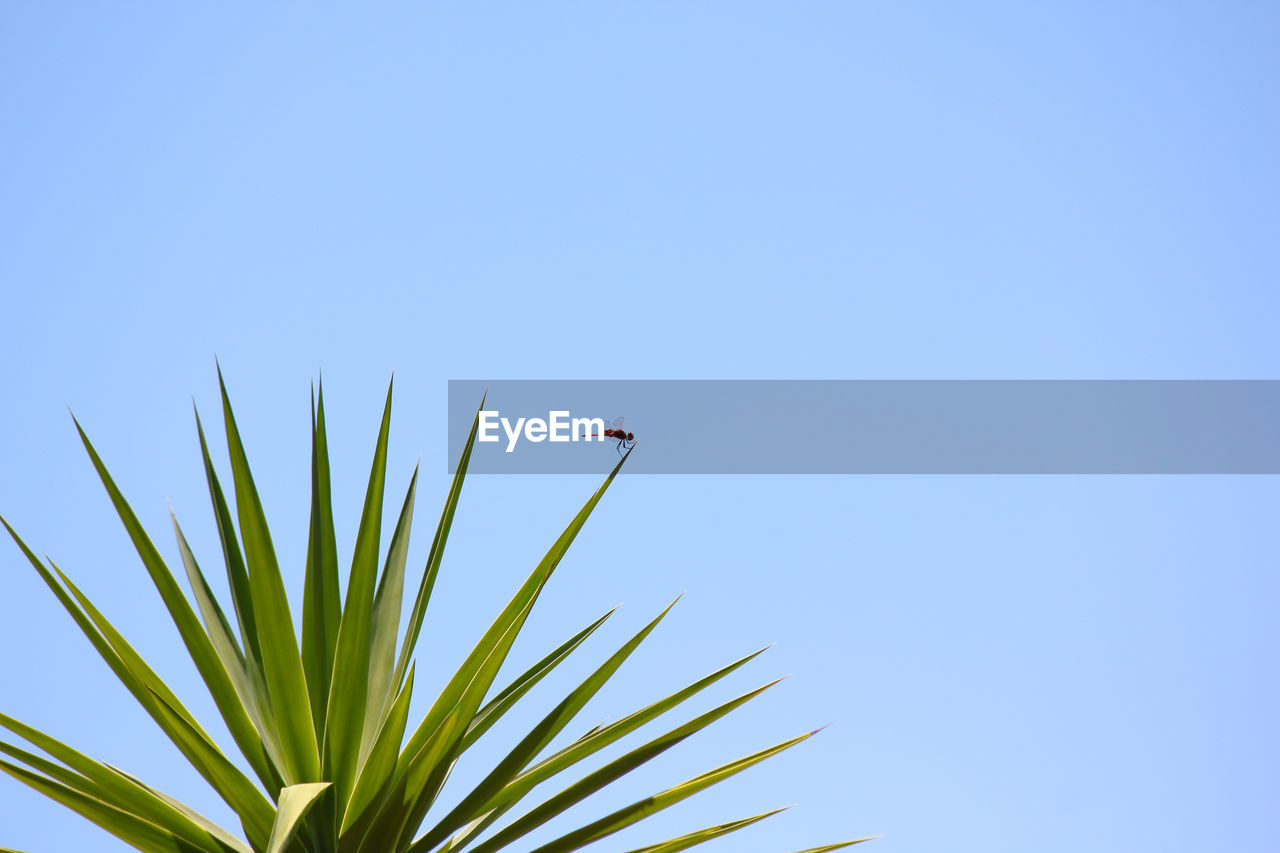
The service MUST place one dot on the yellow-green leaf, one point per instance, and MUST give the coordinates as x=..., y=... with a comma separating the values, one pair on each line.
x=294, y=803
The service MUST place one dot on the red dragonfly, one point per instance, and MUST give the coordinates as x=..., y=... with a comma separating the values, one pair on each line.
x=615, y=431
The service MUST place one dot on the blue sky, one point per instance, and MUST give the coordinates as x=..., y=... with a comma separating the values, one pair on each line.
x=746, y=190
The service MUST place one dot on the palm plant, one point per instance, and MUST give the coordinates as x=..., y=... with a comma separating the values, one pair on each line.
x=322, y=723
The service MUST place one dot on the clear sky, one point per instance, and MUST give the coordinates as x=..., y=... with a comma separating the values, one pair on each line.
x=674, y=190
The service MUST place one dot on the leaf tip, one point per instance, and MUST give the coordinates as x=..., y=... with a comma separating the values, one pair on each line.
x=222, y=382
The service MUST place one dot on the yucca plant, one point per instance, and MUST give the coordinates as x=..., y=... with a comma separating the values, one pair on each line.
x=322, y=722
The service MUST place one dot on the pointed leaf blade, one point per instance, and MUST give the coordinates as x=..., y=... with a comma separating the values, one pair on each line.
x=322, y=596
x=385, y=627
x=526, y=681
x=294, y=803
x=132, y=830
x=639, y=810
x=378, y=771
x=237, y=573
x=436, y=554
x=282, y=660
x=684, y=842
x=840, y=846
x=344, y=719
x=534, y=742
x=611, y=772
x=255, y=702
x=198, y=644
x=590, y=743
x=104, y=782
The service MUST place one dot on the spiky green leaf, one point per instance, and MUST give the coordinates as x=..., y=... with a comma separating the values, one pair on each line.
x=624, y=817
x=377, y=772
x=436, y=554
x=321, y=596
x=200, y=647
x=839, y=846
x=684, y=842
x=385, y=627
x=132, y=830
x=344, y=720
x=534, y=742
x=282, y=660
x=526, y=681
x=611, y=772
x=294, y=803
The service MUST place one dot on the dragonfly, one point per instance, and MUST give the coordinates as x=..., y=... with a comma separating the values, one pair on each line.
x=615, y=431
